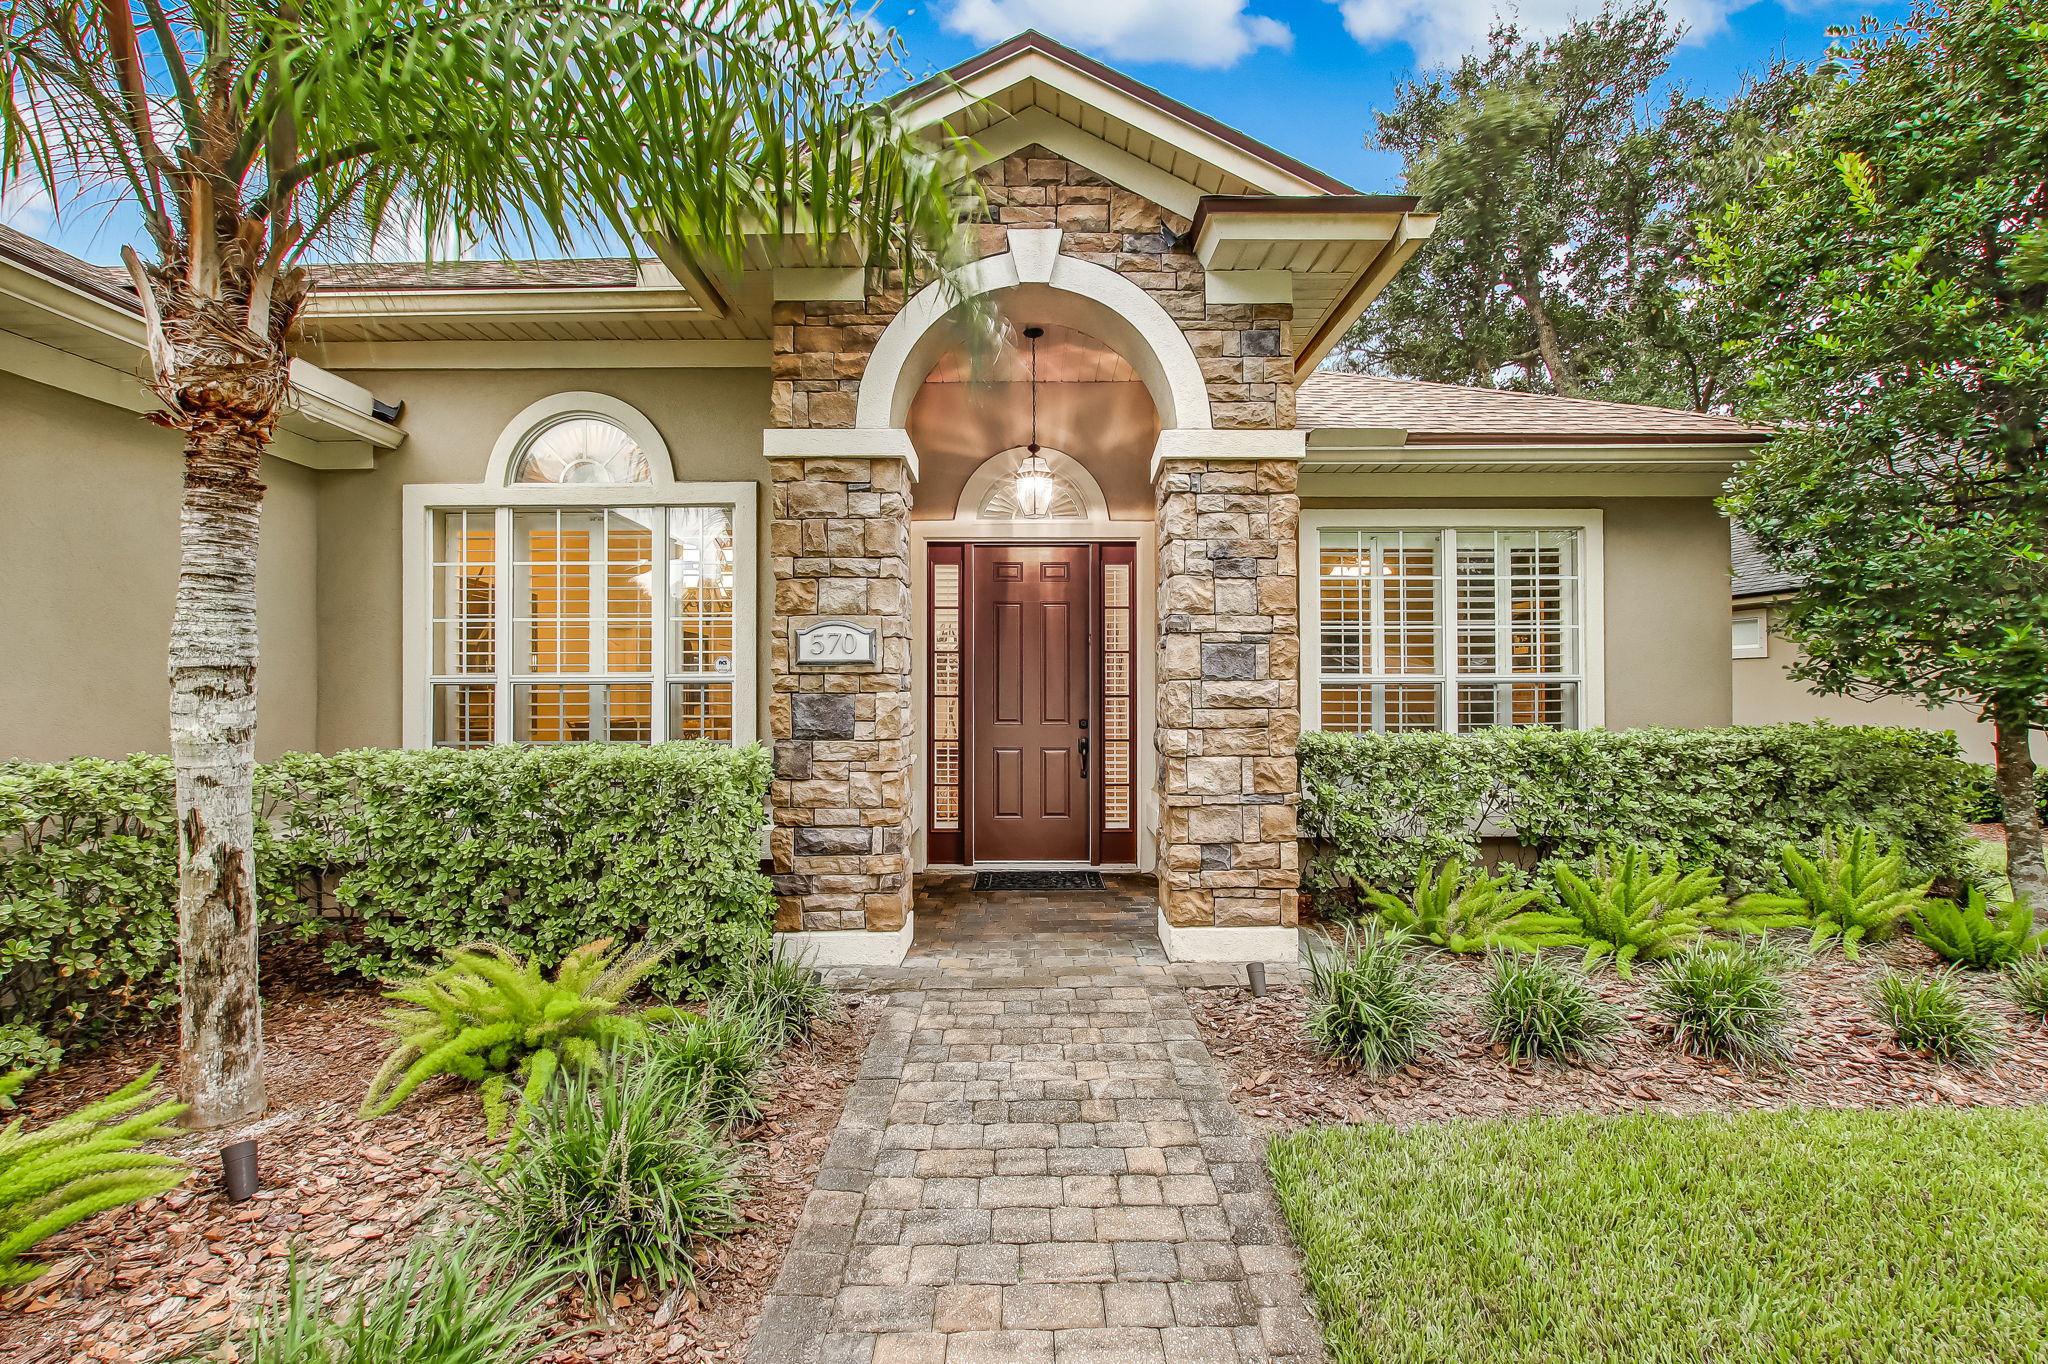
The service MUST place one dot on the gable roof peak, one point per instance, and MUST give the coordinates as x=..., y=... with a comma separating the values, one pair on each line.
x=994, y=76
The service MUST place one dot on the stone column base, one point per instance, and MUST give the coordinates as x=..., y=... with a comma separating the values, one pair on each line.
x=848, y=946
x=1230, y=944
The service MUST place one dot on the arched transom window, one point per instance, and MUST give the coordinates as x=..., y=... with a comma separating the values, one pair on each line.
x=581, y=450
x=581, y=594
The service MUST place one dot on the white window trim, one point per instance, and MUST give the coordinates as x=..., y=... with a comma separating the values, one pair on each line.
x=1593, y=606
x=422, y=500
x=1762, y=647
x=582, y=403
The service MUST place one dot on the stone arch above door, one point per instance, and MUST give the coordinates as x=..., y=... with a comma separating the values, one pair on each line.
x=1092, y=296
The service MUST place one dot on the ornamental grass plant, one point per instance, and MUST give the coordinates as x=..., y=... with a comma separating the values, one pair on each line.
x=623, y=1175
x=1929, y=1012
x=1373, y=1002
x=1538, y=1006
x=1728, y=1000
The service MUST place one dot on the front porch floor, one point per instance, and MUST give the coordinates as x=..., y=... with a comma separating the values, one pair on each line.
x=1037, y=1165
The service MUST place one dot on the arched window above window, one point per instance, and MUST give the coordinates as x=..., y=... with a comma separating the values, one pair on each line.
x=581, y=450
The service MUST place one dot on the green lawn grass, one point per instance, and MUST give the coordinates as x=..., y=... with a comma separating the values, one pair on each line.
x=1794, y=1236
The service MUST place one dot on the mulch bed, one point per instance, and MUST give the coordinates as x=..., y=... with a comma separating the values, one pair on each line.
x=164, y=1279
x=1843, y=1057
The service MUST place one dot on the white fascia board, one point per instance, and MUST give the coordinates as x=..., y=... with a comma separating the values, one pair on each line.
x=950, y=101
x=1329, y=329
x=74, y=306
x=1248, y=286
x=1332, y=226
x=328, y=423
x=536, y=302
x=563, y=355
x=1366, y=448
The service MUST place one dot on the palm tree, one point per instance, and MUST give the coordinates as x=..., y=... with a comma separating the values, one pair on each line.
x=248, y=133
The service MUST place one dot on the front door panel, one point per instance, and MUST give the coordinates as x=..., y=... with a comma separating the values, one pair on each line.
x=1029, y=718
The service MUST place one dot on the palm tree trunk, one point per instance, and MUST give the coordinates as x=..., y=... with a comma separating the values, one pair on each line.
x=213, y=749
x=2025, y=864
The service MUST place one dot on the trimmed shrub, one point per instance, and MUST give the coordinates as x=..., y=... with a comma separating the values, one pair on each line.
x=1374, y=805
x=1373, y=1003
x=1537, y=1006
x=539, y=850
x=88, y=899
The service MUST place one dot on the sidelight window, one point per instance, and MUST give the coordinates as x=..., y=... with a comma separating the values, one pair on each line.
x=1424, y=627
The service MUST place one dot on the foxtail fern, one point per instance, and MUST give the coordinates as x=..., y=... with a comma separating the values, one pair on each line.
x=1457, y=907
x=1855, y=891
x=506, y=1025
x=1627, y=910
x=1978, y=936
x=80, y=1165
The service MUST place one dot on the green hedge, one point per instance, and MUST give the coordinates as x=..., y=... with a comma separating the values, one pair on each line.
x=1374, y=805
x=391, y=855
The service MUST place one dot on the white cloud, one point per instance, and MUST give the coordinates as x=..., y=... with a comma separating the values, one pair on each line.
x=1191, y=32
x=27, y=207
x=1441, y=31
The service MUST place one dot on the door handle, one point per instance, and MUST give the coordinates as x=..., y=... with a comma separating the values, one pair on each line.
x=1084, y=757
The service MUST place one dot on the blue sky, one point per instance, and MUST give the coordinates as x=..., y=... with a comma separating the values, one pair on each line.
x=1303, y=75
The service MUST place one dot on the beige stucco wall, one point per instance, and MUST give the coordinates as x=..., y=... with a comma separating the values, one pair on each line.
x=712, y=420
x=89, y=556
x=1666, y=581
x=1764, y=695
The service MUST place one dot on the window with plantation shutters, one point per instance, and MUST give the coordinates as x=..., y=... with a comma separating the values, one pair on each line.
x=1449, y=627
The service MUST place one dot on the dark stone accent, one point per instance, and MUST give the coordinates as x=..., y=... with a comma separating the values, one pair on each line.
x=1258, y=342
x=1233, y=568
x=792, y=760
x=1178, y=622
x=790, y=884
x=892, y=840
x=818, y=840
x=821, y=715
x=1230, y=662
x=1215, y=857
x=1151, y=244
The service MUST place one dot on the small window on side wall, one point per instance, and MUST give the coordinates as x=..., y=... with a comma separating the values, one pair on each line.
x=1751, y=635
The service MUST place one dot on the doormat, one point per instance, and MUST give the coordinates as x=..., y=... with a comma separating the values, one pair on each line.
x=1038, y=880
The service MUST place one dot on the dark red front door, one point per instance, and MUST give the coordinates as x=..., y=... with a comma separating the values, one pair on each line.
x=1028, y=724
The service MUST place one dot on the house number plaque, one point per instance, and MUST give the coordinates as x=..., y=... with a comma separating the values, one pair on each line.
x=835, y=642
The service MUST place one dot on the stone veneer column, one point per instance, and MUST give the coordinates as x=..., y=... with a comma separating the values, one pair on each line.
x=1229, y=692
x=840, y=540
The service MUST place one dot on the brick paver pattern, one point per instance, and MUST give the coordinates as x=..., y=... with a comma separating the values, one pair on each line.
x=1037, y=1163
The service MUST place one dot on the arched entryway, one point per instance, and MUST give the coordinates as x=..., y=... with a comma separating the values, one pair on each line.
x=1033, y=663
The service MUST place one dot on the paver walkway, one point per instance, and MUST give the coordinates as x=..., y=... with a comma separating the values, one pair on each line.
x=1037, y=1163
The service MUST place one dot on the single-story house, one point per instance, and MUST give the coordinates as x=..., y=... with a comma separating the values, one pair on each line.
x=1067, y=607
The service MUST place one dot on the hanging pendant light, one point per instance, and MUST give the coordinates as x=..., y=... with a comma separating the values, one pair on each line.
x=1034, y=487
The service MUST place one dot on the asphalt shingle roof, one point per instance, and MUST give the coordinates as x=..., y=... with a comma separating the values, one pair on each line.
x=1453, y=414
x=1754, y=577
x=595, y=272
